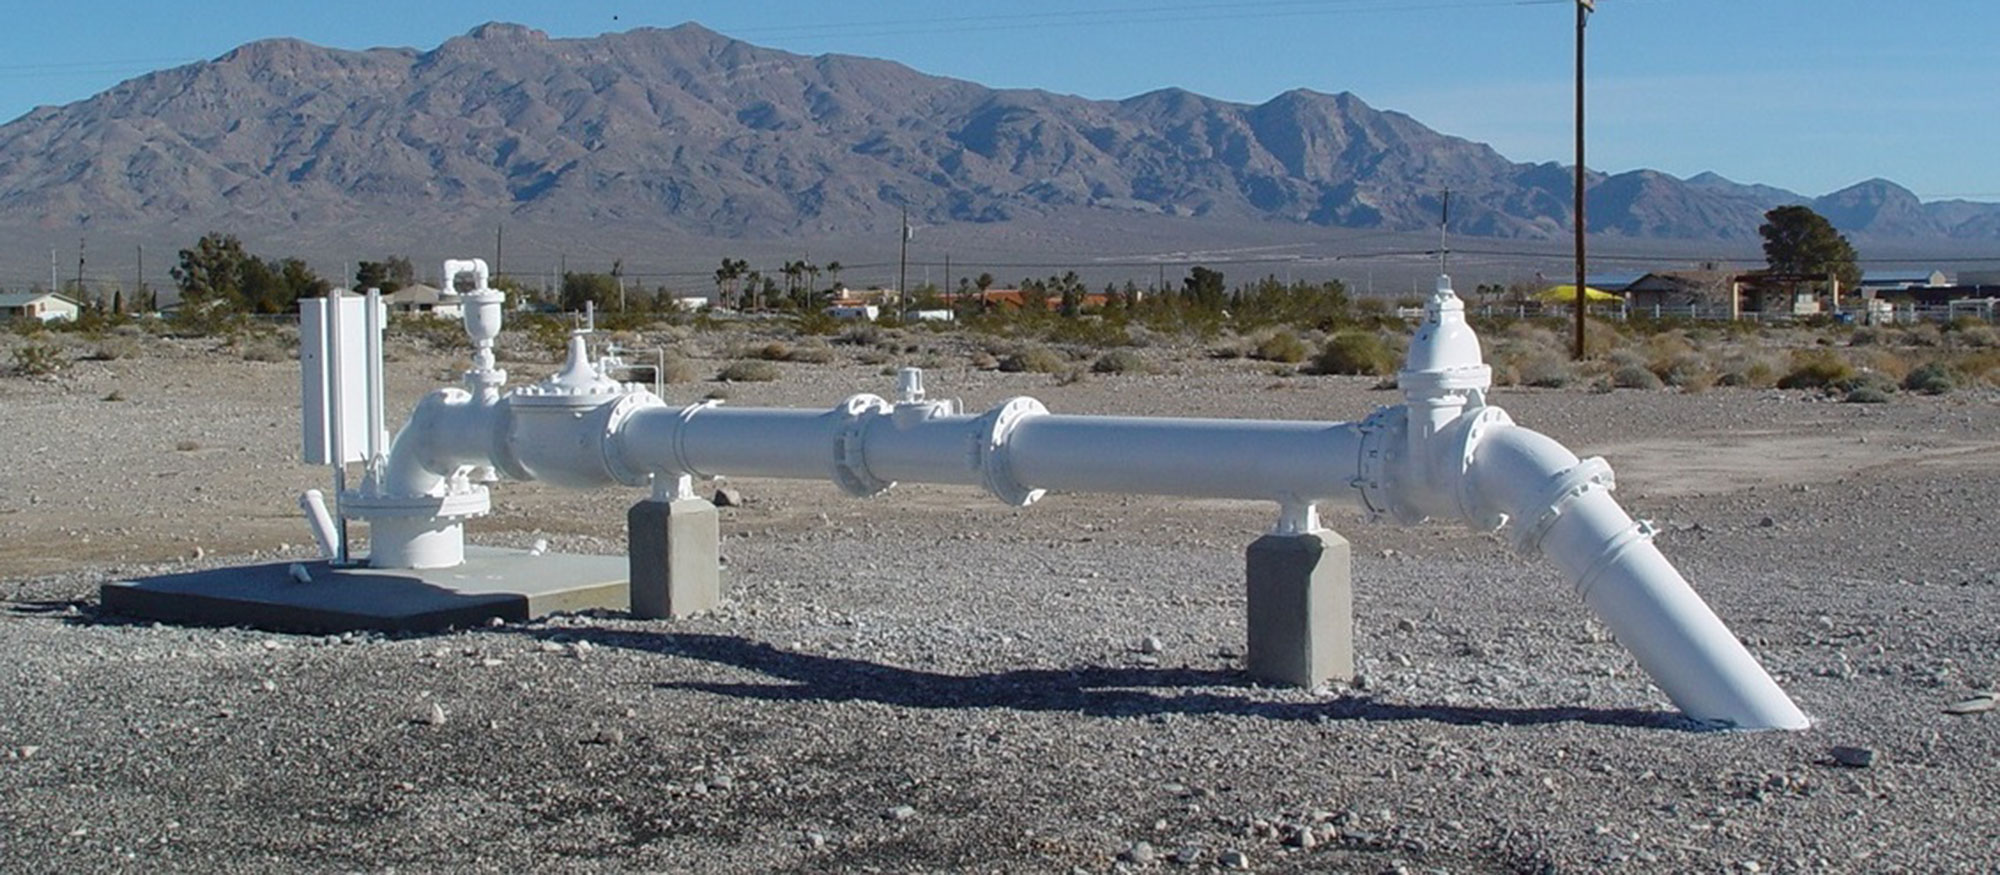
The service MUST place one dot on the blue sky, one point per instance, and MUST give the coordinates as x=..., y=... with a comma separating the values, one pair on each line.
x=1811, y=95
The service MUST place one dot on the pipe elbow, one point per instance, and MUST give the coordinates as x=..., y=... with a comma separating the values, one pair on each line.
x=1525, y=480
x=448, y=430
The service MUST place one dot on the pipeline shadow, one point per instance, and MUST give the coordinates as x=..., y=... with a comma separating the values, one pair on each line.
x=1098, y=691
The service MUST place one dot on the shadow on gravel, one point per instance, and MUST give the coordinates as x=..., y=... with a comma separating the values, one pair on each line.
x=1095, y=691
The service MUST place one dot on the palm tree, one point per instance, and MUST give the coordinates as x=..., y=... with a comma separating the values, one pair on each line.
x=833, y=268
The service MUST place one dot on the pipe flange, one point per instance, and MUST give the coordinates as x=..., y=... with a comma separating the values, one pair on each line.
x=1565, y=487
x=1478, y=424
x=1381, y=451
x=989, y=452
x=1639, y=532
x=850, y=462
x=473, y=502
x=614, y=421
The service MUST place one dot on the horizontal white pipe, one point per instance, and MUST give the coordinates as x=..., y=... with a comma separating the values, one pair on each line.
x=1193, y=458
x=733, y=441
x=1623, y=578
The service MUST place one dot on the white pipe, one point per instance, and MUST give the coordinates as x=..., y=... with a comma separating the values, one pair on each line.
x=313, y=502
x=1442, y=453
x=1562, y=507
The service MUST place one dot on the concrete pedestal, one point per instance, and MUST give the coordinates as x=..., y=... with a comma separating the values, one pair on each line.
x=1301, y=609
x=675, y=555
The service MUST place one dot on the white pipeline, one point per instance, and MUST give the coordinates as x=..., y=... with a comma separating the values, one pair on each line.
x=1443, y=453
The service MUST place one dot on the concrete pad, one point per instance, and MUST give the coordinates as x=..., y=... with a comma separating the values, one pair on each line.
x=675, y=552
x=1301, y=609
x=512, y=585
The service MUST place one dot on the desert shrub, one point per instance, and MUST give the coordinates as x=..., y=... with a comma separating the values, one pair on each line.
x=1547, y=372
x=1978, y=335
x=1232, y=348
x=1748, y=370
x=860, y=334
x=1978, y=367
x=1634, y=376
x=1867, y=335
x=1356, y=352
x=1868, y=384
x=1816, y=369
x=1121, y=361
x=1923, y=334
x=984, y=361
x=1688, y=371
x=1072, y=376
x=775, y=351
x=1931, y=378
x=814, y=353
x=38, y=359
x=877, y=357
x=1282, y=346
x=1034, y=360
x=748, y=372
x=113, y=348
x=678, y=370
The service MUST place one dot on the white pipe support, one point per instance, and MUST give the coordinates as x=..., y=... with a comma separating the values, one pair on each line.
x=1566, y=511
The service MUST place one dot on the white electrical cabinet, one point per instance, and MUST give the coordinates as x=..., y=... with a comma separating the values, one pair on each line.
x=334, y=352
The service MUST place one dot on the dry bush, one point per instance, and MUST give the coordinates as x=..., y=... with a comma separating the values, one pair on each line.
x=1688, y=372
x=1754, y=370
x=748, y=372
x=1816, y=369
x=1281, y=345
x=1122, y=361
x=1634, y=376
x=814, y=352
x=1547, y=371
x=983, y=360
x=1034, y=360
x=1979, y=367
x=678, y=370
x=775, y=351
x=1885, y=361
x=1931, y=378
x=1366, y=353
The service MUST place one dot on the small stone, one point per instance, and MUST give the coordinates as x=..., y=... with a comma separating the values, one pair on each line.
x=1767, y=523
x=1138, y=852
x=1406, y=625
x=1977, y=704
x=27, y=751
x=435, y=716
x=269, y=686
x=1302, y=838
x=581, y=649
x=1853, y=757
x=723, y=782
x=900, y=812
x=1151, y=644
x=1188, y=855
x=613, y=735
x=495, y=622
x=815, y=840
x=1236, y=860
x=727, y=496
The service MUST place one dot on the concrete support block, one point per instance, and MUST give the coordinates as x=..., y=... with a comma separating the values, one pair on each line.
x=674, y=550
x=1301, y=609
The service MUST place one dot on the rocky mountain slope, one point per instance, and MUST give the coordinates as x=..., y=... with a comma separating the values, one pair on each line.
x=690, y=131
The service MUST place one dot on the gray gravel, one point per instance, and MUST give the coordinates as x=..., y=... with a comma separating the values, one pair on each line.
x=930, y=681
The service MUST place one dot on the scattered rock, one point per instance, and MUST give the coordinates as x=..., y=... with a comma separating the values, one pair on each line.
x=900, y=812
x=610, y=736
x=1236, y=860
x=1976, y=705
x=1767, y=523
x=727, y=496
x=1188, y=855
x=433, y=717
x=1139, y=853
x=1151, y=644
x=1853, y=757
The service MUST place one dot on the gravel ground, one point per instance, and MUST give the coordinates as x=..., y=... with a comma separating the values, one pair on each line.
x=929, y=681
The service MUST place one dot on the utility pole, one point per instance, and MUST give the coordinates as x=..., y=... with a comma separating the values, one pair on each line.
x=139, y=281
x=499, y=245
x=80, y=241
x=903, y=261
x=1583, y=10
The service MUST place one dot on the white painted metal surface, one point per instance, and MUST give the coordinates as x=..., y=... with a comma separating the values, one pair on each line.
x=1443, y=453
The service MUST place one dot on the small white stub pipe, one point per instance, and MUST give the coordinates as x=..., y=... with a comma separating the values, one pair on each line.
x=1443, y=453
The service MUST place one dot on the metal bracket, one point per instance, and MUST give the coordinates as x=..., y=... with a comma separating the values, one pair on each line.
x=850, y=461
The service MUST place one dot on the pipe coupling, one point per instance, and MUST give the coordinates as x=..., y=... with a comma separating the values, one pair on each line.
x=1563, y=488
x=850, y=461
x=989, y=450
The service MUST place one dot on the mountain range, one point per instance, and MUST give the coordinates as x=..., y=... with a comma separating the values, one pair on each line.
x=685, y=130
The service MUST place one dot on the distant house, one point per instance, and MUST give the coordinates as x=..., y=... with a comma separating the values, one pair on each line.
x=420, y=298
x=1876, y=281
x=45, y=306
x=1677, y=290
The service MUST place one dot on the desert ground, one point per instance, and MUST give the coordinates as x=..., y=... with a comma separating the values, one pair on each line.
x=930, y=681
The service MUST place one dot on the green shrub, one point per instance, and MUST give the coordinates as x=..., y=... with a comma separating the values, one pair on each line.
x=1687, y=371
x=1034, y=360
x=1356, y=352
x=1867, y=395
x=1932, y=378
x=1868, y=384
x=1282, y=346
x=748, y=372
x=1121, y=361
x=1816, y=369
x=38, y=360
